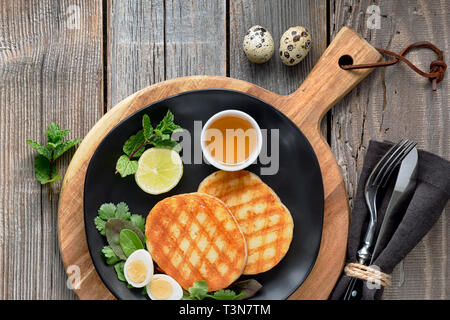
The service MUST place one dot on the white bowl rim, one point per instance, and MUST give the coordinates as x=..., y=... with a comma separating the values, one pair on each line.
x=250, y=159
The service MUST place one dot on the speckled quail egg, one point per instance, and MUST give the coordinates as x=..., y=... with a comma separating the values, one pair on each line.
x=258, y=44
x=295, y=44
x=164, y=287
x=138, y=268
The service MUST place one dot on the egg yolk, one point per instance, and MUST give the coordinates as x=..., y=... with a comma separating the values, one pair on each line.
x=161, y=289
x=137, y=271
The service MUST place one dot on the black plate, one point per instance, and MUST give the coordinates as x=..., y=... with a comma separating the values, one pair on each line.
x=298, y=183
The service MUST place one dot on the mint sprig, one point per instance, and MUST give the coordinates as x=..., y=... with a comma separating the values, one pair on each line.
x=44, y=163
x=134, y=147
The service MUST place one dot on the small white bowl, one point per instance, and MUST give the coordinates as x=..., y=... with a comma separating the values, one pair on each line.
x=237, y=166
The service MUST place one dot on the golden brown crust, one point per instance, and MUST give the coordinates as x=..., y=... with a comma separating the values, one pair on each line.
x=266, y=223
x=195, y=237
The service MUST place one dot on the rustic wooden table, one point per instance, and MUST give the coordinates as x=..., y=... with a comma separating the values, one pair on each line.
x=70, y=61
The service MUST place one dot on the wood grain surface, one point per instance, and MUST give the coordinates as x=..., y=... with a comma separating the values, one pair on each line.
x=49, y=71
x=397, y=103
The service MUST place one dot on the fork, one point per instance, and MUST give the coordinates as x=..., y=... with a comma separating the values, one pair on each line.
x=377, y=179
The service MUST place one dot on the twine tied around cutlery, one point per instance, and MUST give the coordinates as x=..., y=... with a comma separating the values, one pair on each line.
x=367, y=273
x=437, y=67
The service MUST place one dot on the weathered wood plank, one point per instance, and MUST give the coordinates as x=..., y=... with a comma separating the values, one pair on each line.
x=135, y=47
x=153, y=41
x=50, y=70
x=277, y=17
x=393, y=103
x=195, y=38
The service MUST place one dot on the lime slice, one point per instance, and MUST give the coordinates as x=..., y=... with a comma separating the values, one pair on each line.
x=159, y=170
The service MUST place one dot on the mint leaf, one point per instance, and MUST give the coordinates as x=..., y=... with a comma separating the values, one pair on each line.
x=119, y=270
x=42, y=170
x=167, y=126
x=138, y=221
x=148, y=129
x=122, y=211
x=54, y=133
x=129, y=241
x=44, y=164
x=167, y=144
x=107, y=211
x=125, y=166
x=100, y=225
x=109, y=255
x=64, y=146
x=133, y=143
x=42, y=150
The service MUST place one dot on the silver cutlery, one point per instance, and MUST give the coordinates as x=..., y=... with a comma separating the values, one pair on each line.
x=377, y=179
x=403, y=189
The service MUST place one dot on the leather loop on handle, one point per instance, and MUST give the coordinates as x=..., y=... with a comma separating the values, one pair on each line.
x=437, y=67
x=328, y=83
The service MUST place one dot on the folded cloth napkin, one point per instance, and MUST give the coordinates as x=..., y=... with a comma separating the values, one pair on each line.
x=415, y=218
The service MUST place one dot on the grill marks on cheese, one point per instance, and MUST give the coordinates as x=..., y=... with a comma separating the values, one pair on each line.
x=266, y=223
x=195, y=237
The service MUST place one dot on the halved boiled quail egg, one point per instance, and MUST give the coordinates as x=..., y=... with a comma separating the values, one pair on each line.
x=164, y=287
x=138, y=268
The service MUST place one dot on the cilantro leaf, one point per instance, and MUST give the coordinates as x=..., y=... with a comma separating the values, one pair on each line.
x=138, y=221
x=42, y=167
x=107, y=211
x=42, y=150
x=64, y=146
x=199, y=290
x=122, y=211
x=109, y=255
x=125, y=166
x=119, y=270
x=133, y=143
x=148, y=129
x=100, y=225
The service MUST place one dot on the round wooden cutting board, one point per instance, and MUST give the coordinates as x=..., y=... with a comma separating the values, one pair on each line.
x=324, y=87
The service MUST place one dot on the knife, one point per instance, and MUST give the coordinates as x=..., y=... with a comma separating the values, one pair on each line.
x=401, y=195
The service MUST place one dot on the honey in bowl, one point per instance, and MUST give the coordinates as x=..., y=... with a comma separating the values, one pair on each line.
x=231, y=139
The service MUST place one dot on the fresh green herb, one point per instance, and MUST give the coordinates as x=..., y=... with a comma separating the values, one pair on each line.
x=121, y=210
x=143, y=289
x=138, y=221
x=129, y=241
x=110, y=221
x=199, y=291
x=119, y=267
x=44, y=162
x=134, y=147
x=124, y=232
x=100, y=225
x=109, y=255
x=113, y=229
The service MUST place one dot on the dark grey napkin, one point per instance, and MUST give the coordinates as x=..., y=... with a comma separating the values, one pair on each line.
x=414, y=219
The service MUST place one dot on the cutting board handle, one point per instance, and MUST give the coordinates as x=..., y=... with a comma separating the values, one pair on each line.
x=327, y=83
